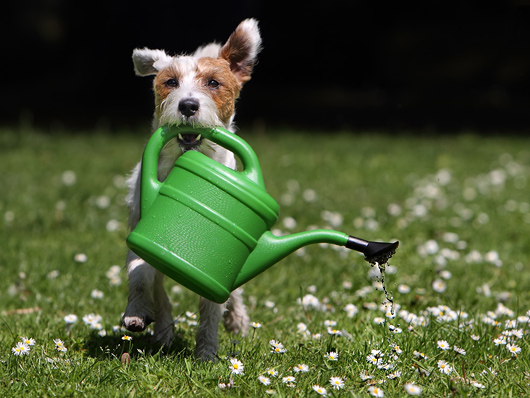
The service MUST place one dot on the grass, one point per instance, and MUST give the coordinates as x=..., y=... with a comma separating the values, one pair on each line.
x=458, y=204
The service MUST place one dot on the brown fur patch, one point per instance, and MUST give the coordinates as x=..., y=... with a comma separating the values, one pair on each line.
x=161, y=89
x=229, y=87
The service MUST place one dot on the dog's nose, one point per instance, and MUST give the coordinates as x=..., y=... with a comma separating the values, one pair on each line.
x=188, y=106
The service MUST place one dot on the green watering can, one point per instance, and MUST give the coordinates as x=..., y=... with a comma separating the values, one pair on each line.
x=207, y=226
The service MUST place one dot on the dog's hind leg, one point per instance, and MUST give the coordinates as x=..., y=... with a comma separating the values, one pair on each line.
x=206, y=337
x=140, y=310
x=236, y=319
x=163, y=332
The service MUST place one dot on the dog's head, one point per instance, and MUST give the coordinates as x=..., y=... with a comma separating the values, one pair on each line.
x=201, y=89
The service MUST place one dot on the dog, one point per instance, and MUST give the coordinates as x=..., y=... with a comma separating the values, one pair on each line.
x=199, y=90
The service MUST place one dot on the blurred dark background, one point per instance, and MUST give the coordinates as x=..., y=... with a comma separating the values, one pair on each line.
x=437, y=66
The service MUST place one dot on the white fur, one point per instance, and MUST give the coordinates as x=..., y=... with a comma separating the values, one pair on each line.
x=148, y=301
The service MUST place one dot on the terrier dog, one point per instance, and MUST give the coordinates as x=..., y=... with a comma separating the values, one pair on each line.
x=197, y=90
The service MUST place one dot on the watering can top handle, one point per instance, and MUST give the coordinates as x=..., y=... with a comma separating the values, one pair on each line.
x=218, y=135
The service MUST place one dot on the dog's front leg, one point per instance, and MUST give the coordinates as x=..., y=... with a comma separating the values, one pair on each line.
x=140, y=310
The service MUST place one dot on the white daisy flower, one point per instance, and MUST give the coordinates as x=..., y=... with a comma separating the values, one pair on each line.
x=332, y=356
x=376, y=391
x=264, y=380
x=70, y=319
x=301, y=368
x=445, y=367
x=443, y=345
x=412, y=389
x=20, y=349
x=97, y=294
x=320, y=390
x=277, y=347
x=289, y=380
x=514, y=349
x=272, y=372
x=336, y=382
x=236, y=366
x=29, y=341
x=59, y=345
x=439, y=286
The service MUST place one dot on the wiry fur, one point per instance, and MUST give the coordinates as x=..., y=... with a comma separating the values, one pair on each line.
x=229, y=67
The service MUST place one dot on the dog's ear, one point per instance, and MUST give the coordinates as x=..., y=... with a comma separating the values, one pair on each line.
x=149, y=62
x=210, y=50
x=242, y=48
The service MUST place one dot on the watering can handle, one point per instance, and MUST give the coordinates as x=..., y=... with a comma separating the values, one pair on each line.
x=150, y=183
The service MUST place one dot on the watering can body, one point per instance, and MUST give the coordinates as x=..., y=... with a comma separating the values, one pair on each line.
x=207, y=226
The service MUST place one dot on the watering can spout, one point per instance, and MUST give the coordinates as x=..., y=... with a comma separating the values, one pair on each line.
x=271, y=249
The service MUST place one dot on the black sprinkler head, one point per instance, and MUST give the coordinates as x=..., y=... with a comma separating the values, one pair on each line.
x=374, y=252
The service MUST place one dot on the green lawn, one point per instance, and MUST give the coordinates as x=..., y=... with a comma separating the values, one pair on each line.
x=458, y=204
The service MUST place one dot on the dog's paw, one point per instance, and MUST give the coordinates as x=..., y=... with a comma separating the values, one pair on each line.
x=136, y=323
x=163, y=335
x=204, y=354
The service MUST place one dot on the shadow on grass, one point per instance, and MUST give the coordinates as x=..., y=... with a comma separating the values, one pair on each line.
x=112, y=345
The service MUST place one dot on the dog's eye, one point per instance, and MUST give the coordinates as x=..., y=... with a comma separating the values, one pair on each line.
x=213, y=83
x=172, y=83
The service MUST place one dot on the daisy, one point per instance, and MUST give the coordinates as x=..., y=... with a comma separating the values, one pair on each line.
x=374, y=360
x=459, y=350
x=332, y=356
x=379, y=320
x=365, y=376
x=277, y=347
x=97, y=294
x=236, y=366
x=289, y=380
x=439, y=286
x=394, y=375
x=444, y=367
x=329, y=323
x=272, y=372
x=92, y=319
x=59, y=345
x=301, y=368
x=301, y=327
x=443, y=345
x=514, y=349
x=412, y=389
x=70, y=319
x=403, y=289
x=334, y=332
x=336, y=382
x=264, y=380
x=396, y=348
x=29, y=342
x=255, y=325
x=376, y=391
x=351, y=310
x=126, y=338
x=320, y=390
x=475, y=337
x=20, y=349
x=500, y=341
x=420, y=355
